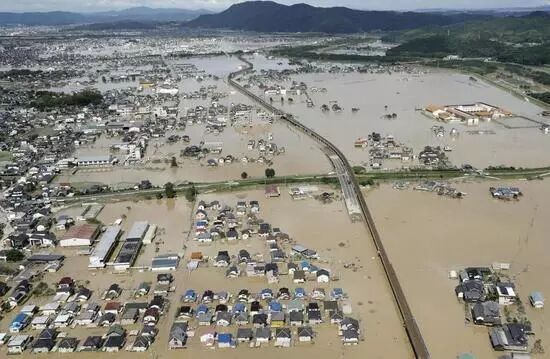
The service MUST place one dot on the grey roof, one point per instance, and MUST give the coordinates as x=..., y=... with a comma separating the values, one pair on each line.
x=179, y=331
x=305, y=332
x=46, y=258
x=95, y=158
x=93, y=341
x=68, y=343
x=486, y=312
x=142, y=341
x=350, y=334
x=536, y=297
x=473, y=290
x=244, y=333
x=263, y=332
x=138, y=230
x=224, y=316
x=114, y=342
x=165, y=261
x=296, y=316
x=283, y=333
x=106, y=242
x=277, y=316
x=330, y=305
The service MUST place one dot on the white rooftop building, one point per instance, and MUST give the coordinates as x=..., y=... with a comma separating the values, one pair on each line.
x=104, y=247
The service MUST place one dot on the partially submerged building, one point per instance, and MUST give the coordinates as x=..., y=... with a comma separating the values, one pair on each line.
x=104, y=247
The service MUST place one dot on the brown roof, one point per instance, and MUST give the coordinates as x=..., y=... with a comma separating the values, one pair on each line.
x=86, y=231
x=196, y=255
x=432, y=108
x=113, y=306
x=272, y=189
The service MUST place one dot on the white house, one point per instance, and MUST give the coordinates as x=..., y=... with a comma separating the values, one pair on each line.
x=506, y=293
x=537, y=300
x=63, y=320
x=18, y=343
x=41, y=322
x=323, y=276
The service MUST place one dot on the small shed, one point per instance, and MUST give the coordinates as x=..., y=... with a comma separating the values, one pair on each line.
x=536, y=299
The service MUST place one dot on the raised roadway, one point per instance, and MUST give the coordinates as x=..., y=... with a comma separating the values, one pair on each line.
x=356, y=205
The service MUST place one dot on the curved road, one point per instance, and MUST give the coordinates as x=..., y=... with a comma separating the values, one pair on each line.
x=357, y=208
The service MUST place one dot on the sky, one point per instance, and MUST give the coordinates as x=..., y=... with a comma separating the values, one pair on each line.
x=216, y=5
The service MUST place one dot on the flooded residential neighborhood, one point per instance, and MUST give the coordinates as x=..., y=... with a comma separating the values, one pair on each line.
x=449, y=235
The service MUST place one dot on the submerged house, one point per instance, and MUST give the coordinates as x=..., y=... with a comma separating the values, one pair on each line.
x=486, y=313
x=45, y=341
x=536, y=299
x=506, y=293
x=305, y=334
x=178, y=335
x=244, y=335
x=283, y=337
x=471, y=291
x=509, y=337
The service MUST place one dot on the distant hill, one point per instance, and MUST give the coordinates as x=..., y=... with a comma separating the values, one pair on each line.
x=116, y=25
x=531, y=27
x=41, y=18
x=137, y=14
x=148, y=14
x=267, y=16
x=524, y=40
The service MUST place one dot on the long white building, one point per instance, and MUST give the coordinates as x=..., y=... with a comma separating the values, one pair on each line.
x=104, y=248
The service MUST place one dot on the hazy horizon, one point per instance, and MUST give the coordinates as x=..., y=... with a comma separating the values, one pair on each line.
x=218, y=5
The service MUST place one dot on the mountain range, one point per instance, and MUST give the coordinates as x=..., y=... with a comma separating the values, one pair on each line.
x=268, y=16
x=259, y=16
x=135, y=14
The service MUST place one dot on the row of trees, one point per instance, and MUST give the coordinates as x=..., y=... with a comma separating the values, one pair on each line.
x=48, y=100
x=191, y=192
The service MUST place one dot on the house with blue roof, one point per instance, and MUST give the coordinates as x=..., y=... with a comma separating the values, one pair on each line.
x=266, y=293
x=225, y=340
x=202, y=308
x=337, y=293
x=239, y=307
x=190, y=296
x=299, y=292
x=19, y=323
x=275, y=306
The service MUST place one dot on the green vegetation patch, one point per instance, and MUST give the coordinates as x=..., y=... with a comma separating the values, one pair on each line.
x=48, y=100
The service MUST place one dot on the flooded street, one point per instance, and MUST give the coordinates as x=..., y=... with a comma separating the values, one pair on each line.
x=323, y=227
x=427, y=235
x=301, y=157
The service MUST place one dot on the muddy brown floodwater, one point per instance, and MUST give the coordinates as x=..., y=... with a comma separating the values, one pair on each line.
x=323, y=227
x=427, y=235
x=403, y=93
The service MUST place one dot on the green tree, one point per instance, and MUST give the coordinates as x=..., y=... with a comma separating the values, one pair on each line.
x=173, y=163
x=269, y=172
x=244, y=175
x=14, y=255
x=359, y=170
x=191, y=194
x=169, y=190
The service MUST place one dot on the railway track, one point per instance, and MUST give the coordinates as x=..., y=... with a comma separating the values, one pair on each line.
x=357, y=207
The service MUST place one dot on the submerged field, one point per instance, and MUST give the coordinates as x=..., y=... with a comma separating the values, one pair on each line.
x=427, y=235
x=403, y=92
